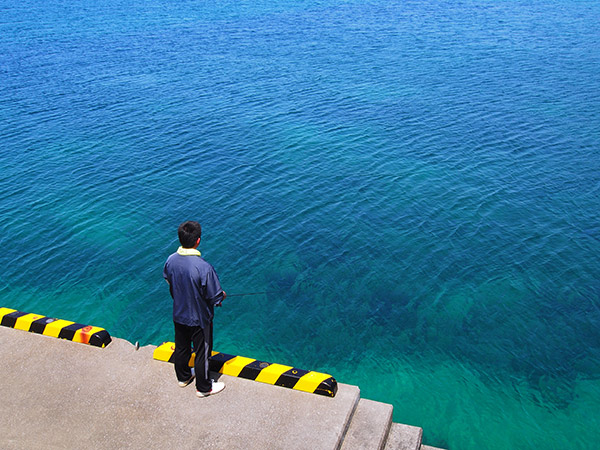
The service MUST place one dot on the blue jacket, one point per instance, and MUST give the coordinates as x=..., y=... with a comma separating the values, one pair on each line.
x=194, y=286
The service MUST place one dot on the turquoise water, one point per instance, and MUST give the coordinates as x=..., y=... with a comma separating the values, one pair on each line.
x=415, y=184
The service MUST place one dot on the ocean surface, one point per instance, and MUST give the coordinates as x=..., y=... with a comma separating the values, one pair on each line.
x=412, y=187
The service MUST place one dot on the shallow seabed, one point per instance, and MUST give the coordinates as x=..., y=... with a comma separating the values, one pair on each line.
x=415, y=185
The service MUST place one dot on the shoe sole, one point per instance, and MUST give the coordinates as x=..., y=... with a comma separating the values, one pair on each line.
x=208, y=394
x=185, y=383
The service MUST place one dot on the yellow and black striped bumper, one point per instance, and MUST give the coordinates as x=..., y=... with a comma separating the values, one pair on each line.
x=49, y=326
x=252, y=369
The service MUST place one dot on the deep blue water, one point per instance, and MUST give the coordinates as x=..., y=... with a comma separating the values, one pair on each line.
x=415, y=184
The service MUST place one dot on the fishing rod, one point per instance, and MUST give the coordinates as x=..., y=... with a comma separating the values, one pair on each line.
x=249, y=293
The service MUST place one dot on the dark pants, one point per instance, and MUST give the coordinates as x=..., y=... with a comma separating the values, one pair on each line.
x=201, y=339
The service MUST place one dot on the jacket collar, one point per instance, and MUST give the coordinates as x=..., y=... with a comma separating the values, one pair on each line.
x=188, y=252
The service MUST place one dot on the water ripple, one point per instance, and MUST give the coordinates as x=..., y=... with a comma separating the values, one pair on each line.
x=420, y=180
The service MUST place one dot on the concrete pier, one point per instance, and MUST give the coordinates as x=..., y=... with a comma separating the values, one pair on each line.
x=57, y=394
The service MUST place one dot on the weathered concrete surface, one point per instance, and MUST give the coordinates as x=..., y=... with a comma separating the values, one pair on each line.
x=404, y=437
x=369, y=427
x=56, y=394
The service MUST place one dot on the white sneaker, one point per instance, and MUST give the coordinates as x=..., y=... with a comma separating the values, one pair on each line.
x=217, y=386
x=185, y=383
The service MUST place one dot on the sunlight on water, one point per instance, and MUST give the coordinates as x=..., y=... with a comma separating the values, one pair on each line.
x=415, y=187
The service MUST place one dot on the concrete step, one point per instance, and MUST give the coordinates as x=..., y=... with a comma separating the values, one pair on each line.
x=404, y=437
x=121, y=394
x=369, y=426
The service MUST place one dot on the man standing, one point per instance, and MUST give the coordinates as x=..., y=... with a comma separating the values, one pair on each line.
x=195, y=288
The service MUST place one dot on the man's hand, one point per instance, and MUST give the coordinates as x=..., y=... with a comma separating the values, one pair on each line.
x=221, y=302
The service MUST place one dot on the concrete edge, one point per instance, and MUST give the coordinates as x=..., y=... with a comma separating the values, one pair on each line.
x=349, y=417
x=370, y=425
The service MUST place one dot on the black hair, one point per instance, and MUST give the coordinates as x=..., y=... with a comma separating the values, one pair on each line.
x=189, y=232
